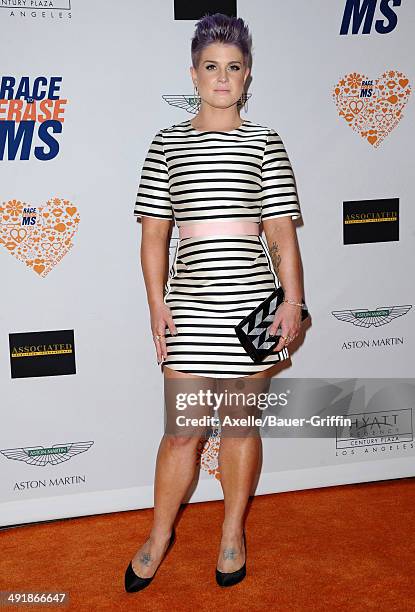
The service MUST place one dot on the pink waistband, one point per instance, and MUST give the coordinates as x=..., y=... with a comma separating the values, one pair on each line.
x=209, y=228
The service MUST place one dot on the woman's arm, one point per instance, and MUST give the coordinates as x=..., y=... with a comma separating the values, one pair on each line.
x=154, y=256
x=285, y=255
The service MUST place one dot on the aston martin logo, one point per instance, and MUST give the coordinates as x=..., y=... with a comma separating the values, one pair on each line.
x=367, y=318
x=49, y=455
x=191, y=103
x=188, y=103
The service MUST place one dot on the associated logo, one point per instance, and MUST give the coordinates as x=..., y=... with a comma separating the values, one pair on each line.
x=40, y=237
x=368, y=318
x=43, y=353
x=47, y=455
x=372, y=107
x=366, y=221
x=358, y=12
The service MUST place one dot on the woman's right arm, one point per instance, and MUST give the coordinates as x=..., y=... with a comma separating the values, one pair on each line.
x=154, y=255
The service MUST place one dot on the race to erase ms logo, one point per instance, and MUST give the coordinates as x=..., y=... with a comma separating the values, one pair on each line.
x=38, y=236
x=31, y=122
x=372, y=107
x=31, y=117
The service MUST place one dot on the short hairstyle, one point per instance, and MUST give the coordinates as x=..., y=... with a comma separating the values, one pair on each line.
x=224, y=29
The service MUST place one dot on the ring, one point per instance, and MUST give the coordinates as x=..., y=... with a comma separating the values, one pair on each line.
x=157, y=337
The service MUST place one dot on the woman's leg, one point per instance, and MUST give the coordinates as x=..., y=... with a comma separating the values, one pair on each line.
x=175, y=470
x=238, y=465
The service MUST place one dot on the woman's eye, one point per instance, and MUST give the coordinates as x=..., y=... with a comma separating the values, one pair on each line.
x=208, y=66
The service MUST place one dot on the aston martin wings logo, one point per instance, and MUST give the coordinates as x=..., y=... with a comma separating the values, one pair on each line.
x=190, y=103
x=41, y=455
x=367, y=318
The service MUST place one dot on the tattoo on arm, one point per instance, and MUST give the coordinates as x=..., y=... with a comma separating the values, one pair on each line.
x=275, y=256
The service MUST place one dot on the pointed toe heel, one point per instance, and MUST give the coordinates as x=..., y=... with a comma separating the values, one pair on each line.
x=225, y=579
x=134, y=583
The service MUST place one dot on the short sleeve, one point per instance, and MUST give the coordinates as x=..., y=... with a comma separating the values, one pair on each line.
x=153, y=195
x=279, y=193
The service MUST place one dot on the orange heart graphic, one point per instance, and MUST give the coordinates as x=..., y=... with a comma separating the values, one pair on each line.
x=39, y=237
x=18, y=235
x=372, y=107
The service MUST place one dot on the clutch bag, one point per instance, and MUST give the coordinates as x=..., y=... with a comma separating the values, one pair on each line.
x=252, y=331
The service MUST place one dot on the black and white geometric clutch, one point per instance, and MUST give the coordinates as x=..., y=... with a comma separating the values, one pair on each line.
x=252, y=331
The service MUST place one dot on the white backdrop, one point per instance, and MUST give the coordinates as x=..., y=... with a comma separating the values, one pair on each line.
x=117, y=61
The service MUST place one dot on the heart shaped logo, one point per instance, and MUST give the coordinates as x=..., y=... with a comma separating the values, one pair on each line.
x=38, y=236
x=372, y=107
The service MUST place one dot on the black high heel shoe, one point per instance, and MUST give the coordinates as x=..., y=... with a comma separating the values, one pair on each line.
x=225, y=579
x=134, y=583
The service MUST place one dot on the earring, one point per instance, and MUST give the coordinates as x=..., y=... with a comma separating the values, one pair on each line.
x=243, y=101
x=196, y=97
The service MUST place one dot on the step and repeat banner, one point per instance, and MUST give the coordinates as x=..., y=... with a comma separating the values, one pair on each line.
x=84, y=86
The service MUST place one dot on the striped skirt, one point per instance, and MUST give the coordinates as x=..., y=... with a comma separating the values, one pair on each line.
x=214, y=282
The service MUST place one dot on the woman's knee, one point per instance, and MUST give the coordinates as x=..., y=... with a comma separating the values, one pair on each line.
x=176, y=442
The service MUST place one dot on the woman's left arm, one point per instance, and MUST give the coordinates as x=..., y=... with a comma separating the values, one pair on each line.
x=283, y=247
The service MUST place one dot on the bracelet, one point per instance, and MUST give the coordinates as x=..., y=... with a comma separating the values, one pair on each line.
x=294, y=303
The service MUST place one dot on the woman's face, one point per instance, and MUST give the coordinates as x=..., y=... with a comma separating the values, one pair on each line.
x=221, y=75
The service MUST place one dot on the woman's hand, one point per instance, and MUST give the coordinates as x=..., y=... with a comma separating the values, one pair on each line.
x=161, y=317
x=288, y=316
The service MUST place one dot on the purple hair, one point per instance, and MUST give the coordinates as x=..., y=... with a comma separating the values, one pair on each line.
x=224, y=29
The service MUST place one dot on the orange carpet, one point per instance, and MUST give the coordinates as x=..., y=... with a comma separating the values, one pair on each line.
x=337, y=548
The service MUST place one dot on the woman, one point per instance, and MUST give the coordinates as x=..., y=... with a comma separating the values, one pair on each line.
x=218, y=177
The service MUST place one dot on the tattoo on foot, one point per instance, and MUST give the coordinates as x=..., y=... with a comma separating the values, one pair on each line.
x=275, y=256
x=145, y=558
x=229, y=553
